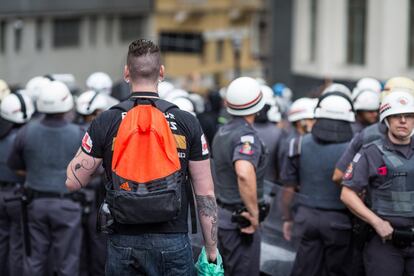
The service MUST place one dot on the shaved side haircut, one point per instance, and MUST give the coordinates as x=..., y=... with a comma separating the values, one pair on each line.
x=144, y=61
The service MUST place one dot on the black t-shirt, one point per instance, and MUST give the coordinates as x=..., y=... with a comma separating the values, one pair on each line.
x=191, y=145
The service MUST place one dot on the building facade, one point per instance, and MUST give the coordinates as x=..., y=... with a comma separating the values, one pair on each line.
x=200, y=38
x=344, y=40
x=77, y=37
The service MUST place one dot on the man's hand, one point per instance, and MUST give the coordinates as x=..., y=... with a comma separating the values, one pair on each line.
x=383, y=229
x=254, y=223
x=287, y=230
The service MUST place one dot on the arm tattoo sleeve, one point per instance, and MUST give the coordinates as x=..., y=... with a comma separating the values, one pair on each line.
x=207, y=207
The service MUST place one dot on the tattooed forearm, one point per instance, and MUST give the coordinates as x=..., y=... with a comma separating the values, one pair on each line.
x=207, y=207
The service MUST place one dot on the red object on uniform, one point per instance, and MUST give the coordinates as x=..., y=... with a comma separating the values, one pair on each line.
x=382, y=171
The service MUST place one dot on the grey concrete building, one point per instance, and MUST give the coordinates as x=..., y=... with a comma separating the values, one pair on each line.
x=79, y=37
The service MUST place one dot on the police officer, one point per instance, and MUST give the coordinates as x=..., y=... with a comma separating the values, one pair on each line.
x=151, y=248
x=370, y=133
x=269, y=133
x=15, y=110
x=89, y=105
x=321, y=221
x=42, y=150
x=383, y=169
x=240, y=166
x=366, y=97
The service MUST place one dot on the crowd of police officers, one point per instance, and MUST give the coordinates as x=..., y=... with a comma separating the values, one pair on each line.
x=345, y=160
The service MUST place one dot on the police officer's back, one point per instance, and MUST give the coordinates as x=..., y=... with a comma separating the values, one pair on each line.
x=42, y=150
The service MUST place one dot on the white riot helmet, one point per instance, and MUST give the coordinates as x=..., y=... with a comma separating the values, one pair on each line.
x=164, y=88
x=99, y=82
x=34, y=87
x=4, y=90
x=335, y=106
x=301, y=109
x=399, y=83
x=90, y=101
x=17, y=108
x=273, y=114
x=176, y=93
x=396, y=102
x=55, y=98
x=369, y=84
x=368, y=100
x=184, y=104
x=198, y=102
x=244, y=97
x=337, y=87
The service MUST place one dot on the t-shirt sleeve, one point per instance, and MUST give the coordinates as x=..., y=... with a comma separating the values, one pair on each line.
x=199, y=149
x=93, y=139
x=248, y=147
x=357, y=174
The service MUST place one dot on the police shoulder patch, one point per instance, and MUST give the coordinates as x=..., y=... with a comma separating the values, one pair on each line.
x=246, y=149
x=247, y=138
x=349, y=171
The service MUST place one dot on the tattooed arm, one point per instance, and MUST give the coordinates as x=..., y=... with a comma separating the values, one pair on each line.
x=80, y=170
x=206, y=204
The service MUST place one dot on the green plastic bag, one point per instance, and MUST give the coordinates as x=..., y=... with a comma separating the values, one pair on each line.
x=204, y=268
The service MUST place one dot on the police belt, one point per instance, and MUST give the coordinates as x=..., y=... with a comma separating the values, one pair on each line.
x=39, y=194
x=403, y=237
x=229, y=207
x=4, y=184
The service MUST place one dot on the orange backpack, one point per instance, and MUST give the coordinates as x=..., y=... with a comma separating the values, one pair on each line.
x=146, y=170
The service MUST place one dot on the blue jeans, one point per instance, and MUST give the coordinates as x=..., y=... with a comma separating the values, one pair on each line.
x=149, y=254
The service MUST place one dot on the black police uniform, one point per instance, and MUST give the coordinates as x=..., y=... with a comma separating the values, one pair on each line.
x=385, y=171
x=321, y=223
x=237, y=140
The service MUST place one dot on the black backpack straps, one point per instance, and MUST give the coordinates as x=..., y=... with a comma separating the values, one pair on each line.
x=164, y=106
x=190, y=197
x=124, y=106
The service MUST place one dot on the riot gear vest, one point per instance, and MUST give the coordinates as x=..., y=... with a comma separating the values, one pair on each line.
x=6, y=144
x=316, y=166
x=47, y=153
x=395, y=197
x=226, y=185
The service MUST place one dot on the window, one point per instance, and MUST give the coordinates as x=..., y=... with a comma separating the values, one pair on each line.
x=357, y=10
x=181, y=42
x=39, y=34
x=313, y=12
x=18, y=29
x=219, y=50
x=66, y=32
x=411, y=36
x=2, y=36
x=109, y=29
x=92, y=29
x=131, y=28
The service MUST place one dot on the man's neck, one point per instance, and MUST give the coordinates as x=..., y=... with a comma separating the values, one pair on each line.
x=397, y=140
x=143, y=88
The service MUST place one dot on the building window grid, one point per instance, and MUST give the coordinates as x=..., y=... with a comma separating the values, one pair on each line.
x=313, y=22
x=3, y=34
x=219, y=50
x=131, y=27
x=356, y=37
x=93, y=21
x=39, y=34
x=109, y=30
x=411, y=36
x=66, y=32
